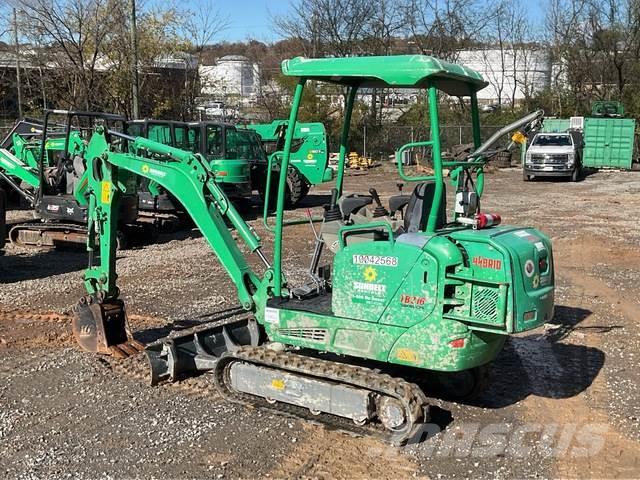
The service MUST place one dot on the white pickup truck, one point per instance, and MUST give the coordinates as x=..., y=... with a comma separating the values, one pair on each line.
x=554, y=155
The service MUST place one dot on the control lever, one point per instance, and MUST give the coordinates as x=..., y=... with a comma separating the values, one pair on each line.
x=318, y=283
x=332, y=211
x=379, y=211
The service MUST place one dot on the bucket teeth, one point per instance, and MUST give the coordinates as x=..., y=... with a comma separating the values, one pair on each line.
x=130, y=350
x=117, y=352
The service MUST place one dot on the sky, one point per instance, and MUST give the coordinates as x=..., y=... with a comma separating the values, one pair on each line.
x=250, y=19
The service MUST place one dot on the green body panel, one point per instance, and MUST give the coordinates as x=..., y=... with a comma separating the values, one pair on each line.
x=404, y=303
x=609, y=142
x=231, y=171
x=388, y=71
x=555, y=125
x=499, y=258
x=311, y=155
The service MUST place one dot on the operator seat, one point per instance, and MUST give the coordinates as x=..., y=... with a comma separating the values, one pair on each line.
x=354, y=202
x=74, y=176
x=419, y=206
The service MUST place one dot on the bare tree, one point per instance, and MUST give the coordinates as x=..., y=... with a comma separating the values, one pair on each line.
x=202, y=23
x=328, y=27
x=596, y=44
x=442, y=27
x=74, y=32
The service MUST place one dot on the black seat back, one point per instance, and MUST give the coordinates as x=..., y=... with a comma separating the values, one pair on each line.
x=417, y=214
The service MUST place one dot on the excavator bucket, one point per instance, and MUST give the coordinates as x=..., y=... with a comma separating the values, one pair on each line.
x=102, y=327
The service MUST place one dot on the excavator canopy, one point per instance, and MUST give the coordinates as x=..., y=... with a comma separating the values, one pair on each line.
x=398, y=71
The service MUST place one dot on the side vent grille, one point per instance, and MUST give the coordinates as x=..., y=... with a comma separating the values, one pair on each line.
x=485, y=303
x=316, y=334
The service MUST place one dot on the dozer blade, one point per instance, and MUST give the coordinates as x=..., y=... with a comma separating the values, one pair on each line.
x=199, y=349
x=102, y=327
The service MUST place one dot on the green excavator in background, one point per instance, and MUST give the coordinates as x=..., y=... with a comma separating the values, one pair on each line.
x=308, y=158
x=45, y=164
x=410, y=286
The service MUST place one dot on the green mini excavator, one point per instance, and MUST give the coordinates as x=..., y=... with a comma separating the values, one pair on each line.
x=52, y=179
x=410, y=286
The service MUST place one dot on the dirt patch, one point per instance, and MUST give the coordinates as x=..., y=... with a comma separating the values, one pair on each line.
x=326, y=454
x=35, y=331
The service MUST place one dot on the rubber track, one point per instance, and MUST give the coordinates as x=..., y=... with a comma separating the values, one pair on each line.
x=409, y=394
x=43, y=227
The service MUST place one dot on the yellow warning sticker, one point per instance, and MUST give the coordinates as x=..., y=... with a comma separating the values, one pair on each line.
x=407, y=355
x=106, y=192
x=145, y=168
x=278, y=384
x=519, y=137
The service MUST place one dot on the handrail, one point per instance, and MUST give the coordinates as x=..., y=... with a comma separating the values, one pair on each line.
x=267, y=193
x=400, y=151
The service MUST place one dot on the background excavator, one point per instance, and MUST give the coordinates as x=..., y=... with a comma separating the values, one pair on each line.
x=308, y=158
x=45, y=164
x=411, y=288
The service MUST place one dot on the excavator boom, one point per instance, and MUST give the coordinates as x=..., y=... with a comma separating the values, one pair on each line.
x=187, y=177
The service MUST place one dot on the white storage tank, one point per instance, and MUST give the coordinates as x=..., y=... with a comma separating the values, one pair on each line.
x=231, y=75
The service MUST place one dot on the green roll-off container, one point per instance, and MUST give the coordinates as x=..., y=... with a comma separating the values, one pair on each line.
x=608, y=142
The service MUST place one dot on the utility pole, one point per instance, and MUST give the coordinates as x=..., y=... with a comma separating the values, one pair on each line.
x=364, y=141
x=134, y=59
x=19, y=88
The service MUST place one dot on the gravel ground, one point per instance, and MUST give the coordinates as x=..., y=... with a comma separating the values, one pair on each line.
x=555, y=394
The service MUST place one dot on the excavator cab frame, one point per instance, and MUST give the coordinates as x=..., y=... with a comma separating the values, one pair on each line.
x=75, y=137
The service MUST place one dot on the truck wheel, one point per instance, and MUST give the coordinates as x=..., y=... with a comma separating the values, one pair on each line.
x=575, y=175
x=525, y=177
x=295, y=187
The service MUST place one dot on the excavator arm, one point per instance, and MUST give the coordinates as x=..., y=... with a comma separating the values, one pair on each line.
x=100, y=321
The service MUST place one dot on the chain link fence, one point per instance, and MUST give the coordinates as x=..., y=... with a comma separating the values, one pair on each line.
x=383, y=141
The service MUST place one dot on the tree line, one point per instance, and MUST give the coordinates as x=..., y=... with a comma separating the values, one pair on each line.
x=79, y=51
